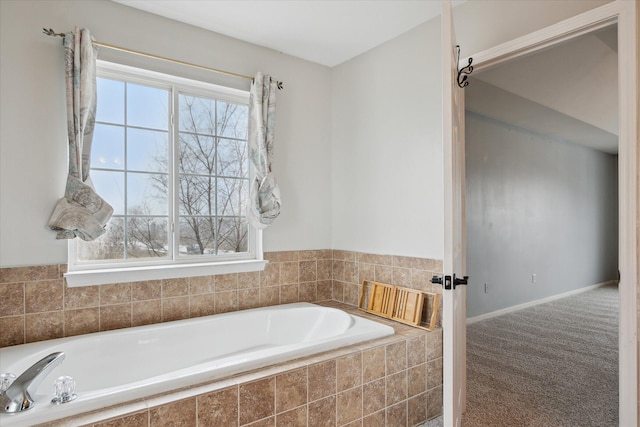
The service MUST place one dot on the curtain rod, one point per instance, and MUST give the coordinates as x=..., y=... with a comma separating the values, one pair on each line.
x=52, y=33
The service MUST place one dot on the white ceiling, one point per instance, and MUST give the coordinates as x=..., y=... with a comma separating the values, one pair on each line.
x=326, y=32
x=568, y=92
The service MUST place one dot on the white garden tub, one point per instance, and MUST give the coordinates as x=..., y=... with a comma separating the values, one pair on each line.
x=119, y=366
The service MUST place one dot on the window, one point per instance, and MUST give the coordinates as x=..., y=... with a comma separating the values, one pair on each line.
x=171, y=156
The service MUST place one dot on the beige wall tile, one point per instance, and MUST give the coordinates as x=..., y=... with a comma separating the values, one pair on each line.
x=115, y=316
x=12, y=331
x=248, y=298
x=417, y=409
x=324, y=290
x=257, y=400
x=249, y=280
x=288, y=294
x=226, y=301
x=337, y=271
x=365, y=272
x=283, y=256
x=270, y=276
x=434, y=402
x=81, y=321
x=417, y=380
x=30, y=273
x=12, y=300
x=219, y=408
x=146, y=290
x=294, y=418
x=322, y=413
x=270, y=296
x=349, y=371
x=175, y=287
x=175, y=308
x=289, y=272
x=201, y=305
x=227, y=282
x=176, y=414
x=308, y=271
x=307, y=292
x=139, y=419
x=396, y=388
x=349, y=406
x=384, y=274
x=146, y=312
x=434, y=344
x=116, y=293
x=397, y=415
x=42, y=296
x=373, y=396
x=351, y=272
x=434, y=373
x=416, y=350
x=202, y=285
x=291, y=390
x=43, y=326
x=373, y=364
x=322, y=380
x=265, y=422
x=396, y=357
x=375, y=420
x=81, y=297
x=324, y=269
x=401, y=277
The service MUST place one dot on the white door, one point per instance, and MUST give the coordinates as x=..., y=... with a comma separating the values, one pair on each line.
x=454, y=309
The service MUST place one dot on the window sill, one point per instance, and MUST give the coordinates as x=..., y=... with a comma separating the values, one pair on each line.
x=137, y=274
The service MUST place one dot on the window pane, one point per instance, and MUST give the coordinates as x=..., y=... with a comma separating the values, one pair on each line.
x=108, y=246
x=110, y=101
x=197, y=154
x=147, y=107
x=232, y=120
x=107, y=149
x=232, y=235
x=230, y=193
x=197, y=235
x=197, y=195
x=147, y=237
x=146, y=194
x=147, y=150
x=110, y=186
x=233, y=159
x=196, y=114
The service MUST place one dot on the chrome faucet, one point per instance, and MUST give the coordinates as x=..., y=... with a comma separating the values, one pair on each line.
x=18, y=397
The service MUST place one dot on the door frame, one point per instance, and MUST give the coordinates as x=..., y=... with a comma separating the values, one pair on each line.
x=623, y=13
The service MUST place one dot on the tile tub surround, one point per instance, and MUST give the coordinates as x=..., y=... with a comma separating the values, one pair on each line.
x=36, y=304
x=392, y=381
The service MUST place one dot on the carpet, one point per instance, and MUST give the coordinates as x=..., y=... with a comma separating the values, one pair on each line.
x=552, y=365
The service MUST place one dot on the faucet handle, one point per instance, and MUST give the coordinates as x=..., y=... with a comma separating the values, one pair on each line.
x=6, y=380
x=63, y=390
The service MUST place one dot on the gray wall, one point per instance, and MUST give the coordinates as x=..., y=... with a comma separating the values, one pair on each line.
x=535, y=206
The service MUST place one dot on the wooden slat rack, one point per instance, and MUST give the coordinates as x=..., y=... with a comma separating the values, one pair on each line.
x=401, y=304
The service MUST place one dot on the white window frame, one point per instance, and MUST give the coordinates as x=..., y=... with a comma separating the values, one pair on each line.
x=96, y=272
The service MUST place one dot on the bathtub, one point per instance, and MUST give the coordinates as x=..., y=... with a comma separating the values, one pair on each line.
x=127, y=364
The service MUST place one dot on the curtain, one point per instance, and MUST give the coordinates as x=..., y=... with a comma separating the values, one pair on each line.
x=264, y=194
x=81, y=212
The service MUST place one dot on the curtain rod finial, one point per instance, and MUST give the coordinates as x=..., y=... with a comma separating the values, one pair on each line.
x=52, y=33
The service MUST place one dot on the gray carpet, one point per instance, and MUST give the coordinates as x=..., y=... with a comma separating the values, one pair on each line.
x=552, y=365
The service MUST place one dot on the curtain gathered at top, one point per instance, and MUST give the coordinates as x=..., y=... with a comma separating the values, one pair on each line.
x=81, y=212
x=264, y=196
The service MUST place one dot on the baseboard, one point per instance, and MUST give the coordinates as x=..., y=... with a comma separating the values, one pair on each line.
x=537, y=302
